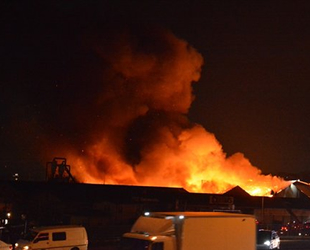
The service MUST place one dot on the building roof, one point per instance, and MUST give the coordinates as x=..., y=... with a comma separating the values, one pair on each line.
x=297, y=189
x=237, y=191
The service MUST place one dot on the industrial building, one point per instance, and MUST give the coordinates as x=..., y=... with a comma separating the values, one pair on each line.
x=110, y=210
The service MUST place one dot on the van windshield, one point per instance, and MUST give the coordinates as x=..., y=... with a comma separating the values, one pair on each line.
x=30, y=236
x=263, y=236
x=134, y=244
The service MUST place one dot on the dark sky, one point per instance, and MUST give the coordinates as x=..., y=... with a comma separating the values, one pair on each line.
x=253, y=93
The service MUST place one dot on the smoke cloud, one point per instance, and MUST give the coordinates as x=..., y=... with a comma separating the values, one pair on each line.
x=132, y=128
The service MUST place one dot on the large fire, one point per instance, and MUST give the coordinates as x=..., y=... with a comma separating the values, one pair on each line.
x=143, y=136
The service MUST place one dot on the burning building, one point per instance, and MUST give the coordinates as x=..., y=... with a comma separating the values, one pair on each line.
x=134, y=129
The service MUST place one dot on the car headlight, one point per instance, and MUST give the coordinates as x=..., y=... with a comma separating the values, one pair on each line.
x=267, y=243
x=26, y=248
x=16, y=245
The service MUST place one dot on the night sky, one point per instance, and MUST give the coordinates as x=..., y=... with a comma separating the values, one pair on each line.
x=253, y=93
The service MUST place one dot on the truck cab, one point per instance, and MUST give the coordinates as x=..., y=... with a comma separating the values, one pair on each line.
x=147, y=242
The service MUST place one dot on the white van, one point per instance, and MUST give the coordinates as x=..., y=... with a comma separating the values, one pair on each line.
x=56, y=237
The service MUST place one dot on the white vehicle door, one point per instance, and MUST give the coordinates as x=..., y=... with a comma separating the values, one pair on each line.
x=59, y=241
x=41, y=241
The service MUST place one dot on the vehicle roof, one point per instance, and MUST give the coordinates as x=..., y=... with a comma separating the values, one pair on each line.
x=43, y=228
x=266, y=230
x=200, y=214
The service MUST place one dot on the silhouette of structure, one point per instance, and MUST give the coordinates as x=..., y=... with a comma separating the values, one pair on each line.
x=58, y=170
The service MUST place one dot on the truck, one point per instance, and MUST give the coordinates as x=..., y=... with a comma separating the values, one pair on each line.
x=62, y=237
x=191, y=231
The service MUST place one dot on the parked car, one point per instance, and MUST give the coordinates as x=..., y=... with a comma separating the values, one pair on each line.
x=305, y=231
x=64, y=237
x=267, y=239
x=5, y=246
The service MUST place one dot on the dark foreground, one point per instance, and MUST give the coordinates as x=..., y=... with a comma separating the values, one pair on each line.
x=287, y=243
x=295, y=243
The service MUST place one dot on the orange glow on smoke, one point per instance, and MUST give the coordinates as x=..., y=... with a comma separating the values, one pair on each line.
x=196, y=162
x=145, y=137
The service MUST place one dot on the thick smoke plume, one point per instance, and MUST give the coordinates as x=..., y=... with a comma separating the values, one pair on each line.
x=136, y=127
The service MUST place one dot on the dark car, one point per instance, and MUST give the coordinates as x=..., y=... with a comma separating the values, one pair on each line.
x=305, y=230
x=267, y=239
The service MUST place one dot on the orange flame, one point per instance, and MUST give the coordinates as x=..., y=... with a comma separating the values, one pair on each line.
x=145, y=137
x=194, y=161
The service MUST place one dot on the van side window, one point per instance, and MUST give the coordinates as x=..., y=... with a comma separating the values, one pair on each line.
x=41, y=237
x=158, y=246
x=59, y=236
